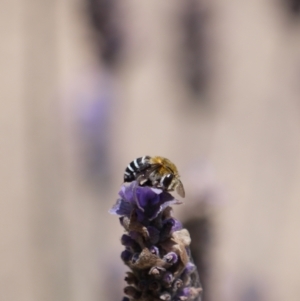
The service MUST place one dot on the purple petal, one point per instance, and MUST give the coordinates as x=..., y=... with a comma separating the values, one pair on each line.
x=189, y=268
x=171, y=258
x=153, y=234
x=141, y=216
x=126, y=255
x=172, y=224
x=135, y=235
x=121, y=208
x=128, y=242
x=157, y=190
x=168, y=278
x=127, y=192
x=166, y=201
x=153, y=212
x=165, y=196
x=169, y=226
x=146, y=197
x=154, y=250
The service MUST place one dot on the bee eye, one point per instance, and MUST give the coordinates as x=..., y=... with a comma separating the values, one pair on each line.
x=166, y=180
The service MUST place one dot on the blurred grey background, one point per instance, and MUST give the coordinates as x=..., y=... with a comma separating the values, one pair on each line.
x=89, y=85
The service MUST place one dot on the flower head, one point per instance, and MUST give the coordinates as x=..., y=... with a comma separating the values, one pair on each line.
x=156, y=247
x=147, y=201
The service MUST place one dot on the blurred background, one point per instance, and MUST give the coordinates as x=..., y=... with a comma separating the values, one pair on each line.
x=89, y=85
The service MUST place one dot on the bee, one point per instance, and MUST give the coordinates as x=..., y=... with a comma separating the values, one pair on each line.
x=155, y=171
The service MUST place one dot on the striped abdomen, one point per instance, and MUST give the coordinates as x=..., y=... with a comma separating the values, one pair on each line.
x=135, y=167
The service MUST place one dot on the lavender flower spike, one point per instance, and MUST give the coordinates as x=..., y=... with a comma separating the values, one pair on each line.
x=156, y=247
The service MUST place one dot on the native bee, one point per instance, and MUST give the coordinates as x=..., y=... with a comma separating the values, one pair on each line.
x=155, y=171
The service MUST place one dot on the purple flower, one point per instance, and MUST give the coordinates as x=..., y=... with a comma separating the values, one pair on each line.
x=171, y=257
x=169, y=226
x=156, y=247
x=168, y=279
x=147, y=201
x=126, y=255
x=128, y=242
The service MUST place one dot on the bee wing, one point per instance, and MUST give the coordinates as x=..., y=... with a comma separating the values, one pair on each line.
x=180, y=189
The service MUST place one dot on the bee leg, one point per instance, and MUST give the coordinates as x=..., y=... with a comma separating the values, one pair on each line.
x=156, y=184
x=143, y=180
